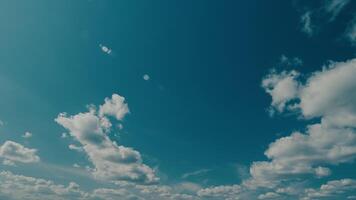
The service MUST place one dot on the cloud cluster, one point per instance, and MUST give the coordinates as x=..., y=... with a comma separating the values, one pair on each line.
x=18, y=187
x=327, y=95
x=344, y=188
x=13, y=152
x=111, y=161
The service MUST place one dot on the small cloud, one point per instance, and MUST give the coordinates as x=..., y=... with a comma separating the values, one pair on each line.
x=120, y=126
x=75, y=148
x=2, y=123
x=27, y=135
x=75, y=165
x=64, y=135
x=195, y=173
x=285, y=61
x=105, y=49
x=146, y=77
x=307, y=26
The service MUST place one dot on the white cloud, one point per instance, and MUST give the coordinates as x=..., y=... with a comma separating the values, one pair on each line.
x=328, y=95
x=268, y=195
x=27, y=135
x=337, y=189
x=18, y=187
x=64, y=135
x=2, y=123
x=146, y=77
x=75, y=165
x=284, y=60
x=282, y=87
x=14, y=152
x=75, y=148
x=115, y=107
x=111, y=161
x=221, y=192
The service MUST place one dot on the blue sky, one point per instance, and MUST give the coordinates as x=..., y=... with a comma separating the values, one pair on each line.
x=177, y=99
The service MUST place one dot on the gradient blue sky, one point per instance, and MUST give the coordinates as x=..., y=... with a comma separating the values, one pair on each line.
x=202, y=117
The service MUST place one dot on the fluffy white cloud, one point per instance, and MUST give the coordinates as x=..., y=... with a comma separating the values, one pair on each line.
x=15, y=152
x=221, y=192
x=337, y=189
x=111, y=161
x=115, y=107
x=282, y=87
x=18, y=187
x=328, y=95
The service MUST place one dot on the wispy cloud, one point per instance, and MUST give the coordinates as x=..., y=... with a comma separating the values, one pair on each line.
x=195, y=173
x=306, y=22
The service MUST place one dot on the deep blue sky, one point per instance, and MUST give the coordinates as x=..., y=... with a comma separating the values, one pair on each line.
x=203, y=107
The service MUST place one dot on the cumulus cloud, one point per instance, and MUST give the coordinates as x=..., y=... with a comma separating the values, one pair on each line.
x=18, y=187
x=115, y=107
x=221, y=192
x=111, y=161
x=282, y=87
x=336, y=189
x=14, y=152
x=328, y=95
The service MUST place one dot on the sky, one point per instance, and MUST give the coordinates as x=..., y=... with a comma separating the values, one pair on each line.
x=177, y=100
